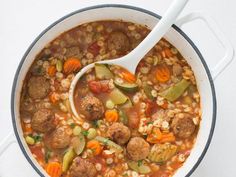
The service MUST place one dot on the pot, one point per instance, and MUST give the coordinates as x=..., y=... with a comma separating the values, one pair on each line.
x=175, y=36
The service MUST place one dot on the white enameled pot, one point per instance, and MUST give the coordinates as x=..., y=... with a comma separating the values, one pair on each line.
x=175, y=36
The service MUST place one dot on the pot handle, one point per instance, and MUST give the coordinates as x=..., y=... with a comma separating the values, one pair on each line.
x=229, y=51
x=10, y=139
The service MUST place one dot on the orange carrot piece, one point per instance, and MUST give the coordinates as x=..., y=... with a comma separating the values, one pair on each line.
x=155, y=136
x=54, y=169
x=53, y=97
x=52, y=70
x=128, y=76
x=163, y=73
x=167, y=52
x=94, y=146
x=168, y=137
x=111, y=115
x=72, y=65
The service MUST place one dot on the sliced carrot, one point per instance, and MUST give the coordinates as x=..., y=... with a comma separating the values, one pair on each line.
x=167, y=137
x=28, y=128
x=163, y=73
x=94, y=146
x=53, y=97
x=54, y=169
x=111, y=115
x=167, y=53
x=155, y=136
x=128, y=76
x=52, y=70
x=165, y=105
x=72, y=65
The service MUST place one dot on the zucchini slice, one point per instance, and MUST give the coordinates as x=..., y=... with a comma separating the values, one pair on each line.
x=148, y=91
x=102, y=71
x=175, y=91
x=117, y=96
x=143, y=169
x=128, y=87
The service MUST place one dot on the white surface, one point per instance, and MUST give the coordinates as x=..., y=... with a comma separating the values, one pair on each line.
x=21, y=21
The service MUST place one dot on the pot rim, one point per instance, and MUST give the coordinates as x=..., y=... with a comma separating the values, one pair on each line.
x=124, y=7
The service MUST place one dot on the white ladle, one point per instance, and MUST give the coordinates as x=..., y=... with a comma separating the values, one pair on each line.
x=131, y=60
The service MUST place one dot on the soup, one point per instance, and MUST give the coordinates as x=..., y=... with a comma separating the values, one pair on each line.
x=128, y=125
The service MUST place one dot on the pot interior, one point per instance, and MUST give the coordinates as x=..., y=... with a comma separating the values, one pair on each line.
x=174, y=36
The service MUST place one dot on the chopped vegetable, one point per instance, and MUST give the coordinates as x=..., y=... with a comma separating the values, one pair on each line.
x=111, y=115
x=123, y=117
x=162, y=152
x=167, y=53
x=162, y=73
x=54, y=169
x=99, y=86
x=59, y=65
x=78, y=144
x=52, y=71
x=102, y=71
x=67, y=159
x=95, y=146
x=128, y=87
x=109, y=143
x=118, y=97
x=47, y=155
x=139, y=167
x=110, y=104
x=148, y=91
x=72, y=65
x=91, y=133
x=29, y=140
x=53, y=97
x=158, y=137
x=76, y=130
x=127, y=104
x=155, y=136
x=128, y=76
x=175, y=91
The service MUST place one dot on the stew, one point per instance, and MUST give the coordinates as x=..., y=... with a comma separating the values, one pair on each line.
x=129, y=125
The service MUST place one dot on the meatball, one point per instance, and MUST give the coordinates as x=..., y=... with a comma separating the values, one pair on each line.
x=38, y=87
x=91, y=107
x=118, y=41
x=119, y=133
x=43, y=121
x=82, y=168
x=183, y=125
x=138, y=148
x=60, y=138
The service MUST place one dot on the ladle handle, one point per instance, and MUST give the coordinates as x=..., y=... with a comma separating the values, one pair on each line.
x=158, y=31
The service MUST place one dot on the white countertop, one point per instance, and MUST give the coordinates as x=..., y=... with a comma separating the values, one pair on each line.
x=21, y=21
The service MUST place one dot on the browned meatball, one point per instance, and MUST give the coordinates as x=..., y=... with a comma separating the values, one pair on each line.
x=119, y=133
x=91, y=107
x=138, y=148
x=118, y=41
x=38, y=87
x=183, y=125
x=82, y=168
x=60, y=138
x=43, y=121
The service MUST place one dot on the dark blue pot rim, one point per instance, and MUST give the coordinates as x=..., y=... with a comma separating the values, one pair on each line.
x=116, y=6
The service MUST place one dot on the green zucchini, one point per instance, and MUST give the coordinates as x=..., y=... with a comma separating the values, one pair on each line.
x=109, y=143
x=67, y=159
x=117, y=96
x=127, y=104
x=78, y=143
x=148, y=91
x=128, y=87
x=139, y=168
x=123, y=117
x=175, y=91
x=103, y=72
